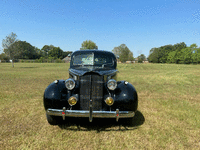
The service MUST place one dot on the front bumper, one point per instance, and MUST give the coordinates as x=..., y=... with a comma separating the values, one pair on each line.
x=96, y=114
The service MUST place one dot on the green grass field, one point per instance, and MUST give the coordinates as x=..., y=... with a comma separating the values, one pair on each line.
x=168, y=114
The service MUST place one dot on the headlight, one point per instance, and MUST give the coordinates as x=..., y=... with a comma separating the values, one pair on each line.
x=112, y=84
x=72, y=101
x=109, y=101
x=70, y=84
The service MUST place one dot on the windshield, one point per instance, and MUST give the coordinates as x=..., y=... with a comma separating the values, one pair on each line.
x=94, y=59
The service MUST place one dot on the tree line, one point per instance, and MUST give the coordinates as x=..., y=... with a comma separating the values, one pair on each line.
x=15, y=49
x=178, y=53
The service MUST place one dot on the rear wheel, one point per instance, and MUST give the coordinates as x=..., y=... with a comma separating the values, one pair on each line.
x=53, y=120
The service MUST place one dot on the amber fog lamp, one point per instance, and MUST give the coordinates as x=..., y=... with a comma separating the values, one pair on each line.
x=112, y=84
x=109, y=101
x=72, y=101
x=70, y=84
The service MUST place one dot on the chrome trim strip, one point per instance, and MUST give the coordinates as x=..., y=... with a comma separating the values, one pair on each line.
x=95, y=114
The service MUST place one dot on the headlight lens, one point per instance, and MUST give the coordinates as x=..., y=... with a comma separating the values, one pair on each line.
x=70, y=84
x=112, y=84
x=72, y=101
x=109, y=101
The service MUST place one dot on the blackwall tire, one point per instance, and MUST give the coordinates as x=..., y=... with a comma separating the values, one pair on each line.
x=52, y=120
x=127, y=121
x=130, y=121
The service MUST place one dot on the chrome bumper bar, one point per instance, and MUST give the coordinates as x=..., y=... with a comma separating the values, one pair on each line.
x=96, y=114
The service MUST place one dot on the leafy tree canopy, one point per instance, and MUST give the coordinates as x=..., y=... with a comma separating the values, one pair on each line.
x=7, y=43
x=56, y=53
x=45, y=50
x=141, y=58
x=88, y=44
x=177, y=53
x=161, y=54
x=24, y=50
x=123, y=52
x=4, y=57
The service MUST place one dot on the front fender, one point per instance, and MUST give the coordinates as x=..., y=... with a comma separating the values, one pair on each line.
x=126, y=97
x=55, y=94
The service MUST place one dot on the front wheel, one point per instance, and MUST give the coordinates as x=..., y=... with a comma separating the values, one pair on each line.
x=52, y=120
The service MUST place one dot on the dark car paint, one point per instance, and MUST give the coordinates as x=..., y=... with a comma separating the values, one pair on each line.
x=125, y=96
x=100, y=72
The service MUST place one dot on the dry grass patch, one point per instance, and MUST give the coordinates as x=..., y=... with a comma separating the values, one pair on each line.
x=168, y=116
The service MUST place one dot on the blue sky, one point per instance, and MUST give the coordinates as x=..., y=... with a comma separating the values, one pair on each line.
x=141, y=25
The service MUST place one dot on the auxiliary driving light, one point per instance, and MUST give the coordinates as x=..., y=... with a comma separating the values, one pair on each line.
x=72, y=101
x=109, y=101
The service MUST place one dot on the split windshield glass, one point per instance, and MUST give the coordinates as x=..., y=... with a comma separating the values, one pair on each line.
x=93, y=59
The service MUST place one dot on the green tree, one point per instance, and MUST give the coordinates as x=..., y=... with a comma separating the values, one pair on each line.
x=123, y=52
x=171, y=57
x=166, y=53
x=4, y=57
x=186, y=55
x=196, y=56
x=165, y=50
x=88, y=44
x=116, y=51
x=178, y=55
x=56, y=53
x=7, y=43
x=195, y=53
x=141, y=58
x=155, y=55
x=193, y=46
x=179, y=46
x=25, y=50
x=45, y=50
x=38, y=52
x=130, y=56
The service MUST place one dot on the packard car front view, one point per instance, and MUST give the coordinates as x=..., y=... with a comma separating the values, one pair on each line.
x=92, y=90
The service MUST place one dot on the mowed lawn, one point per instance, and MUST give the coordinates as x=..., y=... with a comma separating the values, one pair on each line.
x=168, y=114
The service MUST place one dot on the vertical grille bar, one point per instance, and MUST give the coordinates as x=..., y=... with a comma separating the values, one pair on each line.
x=97, y=91
x=85, y=90
x=91, y=87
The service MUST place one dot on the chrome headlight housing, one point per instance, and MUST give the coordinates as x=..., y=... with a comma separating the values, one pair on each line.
x=70, y=84
x=112, y=84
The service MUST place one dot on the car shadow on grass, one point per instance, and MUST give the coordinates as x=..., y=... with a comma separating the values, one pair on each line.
x=103, y=124
x=29, y=67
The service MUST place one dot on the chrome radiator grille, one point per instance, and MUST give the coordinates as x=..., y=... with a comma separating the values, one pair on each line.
x=91, y=88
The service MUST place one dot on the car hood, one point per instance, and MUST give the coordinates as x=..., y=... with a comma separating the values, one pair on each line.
x=102, y=71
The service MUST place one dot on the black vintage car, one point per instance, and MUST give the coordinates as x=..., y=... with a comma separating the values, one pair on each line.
x=92, y=90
